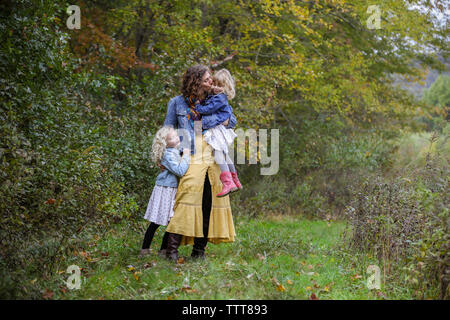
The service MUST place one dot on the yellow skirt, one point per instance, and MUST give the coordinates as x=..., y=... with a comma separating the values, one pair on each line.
x=188, y=216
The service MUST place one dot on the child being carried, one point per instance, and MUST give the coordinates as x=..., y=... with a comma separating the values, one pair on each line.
x=219, y=137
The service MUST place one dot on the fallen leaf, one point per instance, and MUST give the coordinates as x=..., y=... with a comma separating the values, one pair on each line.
x=280, y=288
x=289, y=282
x=130, y=267
x=136, y=276
x=313, y=297
x=105, y=254
x=188, y=289
x=180, y=260
x=50, y=201
x=48, y=294
x=356, y=276
x=308, y=288
x=84, y=254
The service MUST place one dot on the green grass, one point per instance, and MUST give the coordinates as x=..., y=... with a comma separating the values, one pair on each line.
x=272, y=258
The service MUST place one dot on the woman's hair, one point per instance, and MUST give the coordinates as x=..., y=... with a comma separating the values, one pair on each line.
x=160, y=144
x=223, y=78
x=192, y=80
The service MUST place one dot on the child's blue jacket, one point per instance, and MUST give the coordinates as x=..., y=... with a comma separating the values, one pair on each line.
x=176, y=166
x=215, y=105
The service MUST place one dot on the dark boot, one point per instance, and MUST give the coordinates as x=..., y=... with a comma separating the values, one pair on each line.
x=198, y=254
x=173, y=242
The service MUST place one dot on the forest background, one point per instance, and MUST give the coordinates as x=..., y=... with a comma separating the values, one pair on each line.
x=79, y=108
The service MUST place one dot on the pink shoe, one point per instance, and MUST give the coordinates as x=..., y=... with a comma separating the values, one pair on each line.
x=228, y=184
x=236, y=180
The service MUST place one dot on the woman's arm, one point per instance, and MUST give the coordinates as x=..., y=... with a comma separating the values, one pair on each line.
x=171, y=116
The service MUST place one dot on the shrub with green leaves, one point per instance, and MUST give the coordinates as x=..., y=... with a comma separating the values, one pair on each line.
x=405, y=221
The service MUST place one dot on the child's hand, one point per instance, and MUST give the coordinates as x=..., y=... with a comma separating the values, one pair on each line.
x=161, y=167
x=186, y=151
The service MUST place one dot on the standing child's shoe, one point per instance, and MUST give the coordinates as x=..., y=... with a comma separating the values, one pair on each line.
x=236, y=180
x=228, y=184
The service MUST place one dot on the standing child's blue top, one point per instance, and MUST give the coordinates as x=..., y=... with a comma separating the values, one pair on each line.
x=176, y=166
x=215, y=104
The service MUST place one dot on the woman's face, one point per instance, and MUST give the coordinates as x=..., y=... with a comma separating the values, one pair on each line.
x=206, y=83
x=172, y=139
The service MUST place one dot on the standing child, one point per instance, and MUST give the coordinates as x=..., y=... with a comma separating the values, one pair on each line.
x=219, y=137
x=165, y=152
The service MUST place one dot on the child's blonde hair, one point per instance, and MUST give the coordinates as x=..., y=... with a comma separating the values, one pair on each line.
x=223, y=78
x=160, y=143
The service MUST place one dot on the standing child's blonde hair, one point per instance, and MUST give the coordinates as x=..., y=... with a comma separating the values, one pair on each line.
x=160, y=143
x=223, y=78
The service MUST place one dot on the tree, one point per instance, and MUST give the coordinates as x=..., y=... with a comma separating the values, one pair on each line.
x=438, y=94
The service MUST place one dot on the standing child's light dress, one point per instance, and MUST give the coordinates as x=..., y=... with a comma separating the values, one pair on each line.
x=160, y=206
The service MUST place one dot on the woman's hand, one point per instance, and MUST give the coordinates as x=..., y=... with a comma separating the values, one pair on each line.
x=161, y=167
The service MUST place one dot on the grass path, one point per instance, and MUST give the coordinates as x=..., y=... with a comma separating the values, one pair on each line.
x=272, y=258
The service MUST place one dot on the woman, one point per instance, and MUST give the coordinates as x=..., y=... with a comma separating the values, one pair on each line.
x=199, y=216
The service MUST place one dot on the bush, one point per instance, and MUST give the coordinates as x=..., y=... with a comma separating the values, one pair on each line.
x=405, y=223
x=65, y=153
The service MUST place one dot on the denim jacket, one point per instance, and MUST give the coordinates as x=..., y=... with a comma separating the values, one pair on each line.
x=215, y=105
x=177, y=118
x=176, y=166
